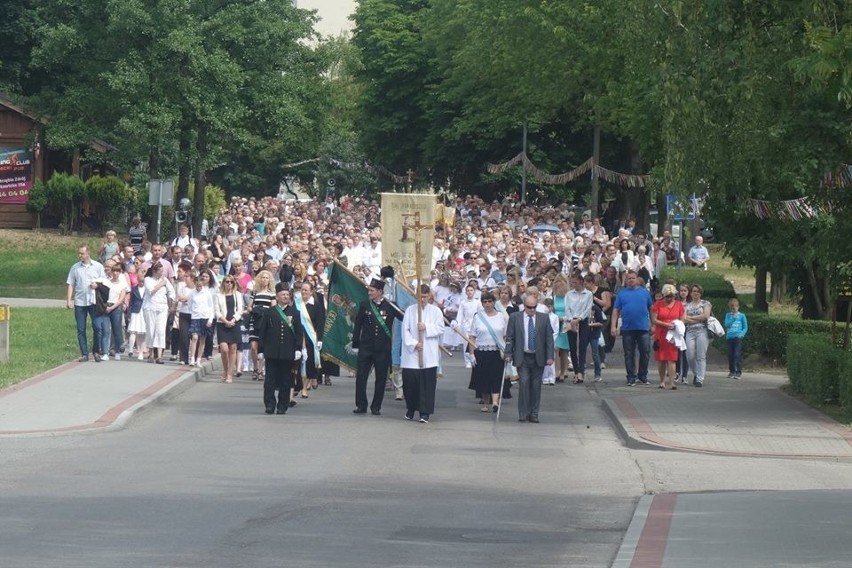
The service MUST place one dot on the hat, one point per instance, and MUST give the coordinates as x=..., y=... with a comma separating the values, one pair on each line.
x=377, y=284
x=282, y=286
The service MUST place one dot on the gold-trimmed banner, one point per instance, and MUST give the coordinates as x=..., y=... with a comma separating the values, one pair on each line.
x=398, y=244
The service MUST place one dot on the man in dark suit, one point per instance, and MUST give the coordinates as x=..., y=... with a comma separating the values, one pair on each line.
x=529, y=346
x=371, y=336
x=280, y=332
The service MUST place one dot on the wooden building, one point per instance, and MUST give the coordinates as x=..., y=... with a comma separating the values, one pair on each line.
x=21, y=136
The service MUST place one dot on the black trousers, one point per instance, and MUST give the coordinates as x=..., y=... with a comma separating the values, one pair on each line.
x=579, y=343
x=170, y=336
x=183, y=337
x=380, y=361
x=418, y=387
x=279, y=376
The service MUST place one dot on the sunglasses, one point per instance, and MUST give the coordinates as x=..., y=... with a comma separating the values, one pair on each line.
x=487, y=301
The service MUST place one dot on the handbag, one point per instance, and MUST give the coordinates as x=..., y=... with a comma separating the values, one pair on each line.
x=714, y=327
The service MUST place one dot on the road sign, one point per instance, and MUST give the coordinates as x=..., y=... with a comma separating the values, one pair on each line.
x=161, y=192
x=678, y=210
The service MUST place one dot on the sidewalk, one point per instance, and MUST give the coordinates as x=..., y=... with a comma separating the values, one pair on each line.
x=750, y=417
x=94, y=397
x=88, y=397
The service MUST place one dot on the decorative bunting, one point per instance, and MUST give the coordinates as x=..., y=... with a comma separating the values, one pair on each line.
x=625, y=180
x=842, y=177
x=790, y=210
x=381, y=170
x=295, y=164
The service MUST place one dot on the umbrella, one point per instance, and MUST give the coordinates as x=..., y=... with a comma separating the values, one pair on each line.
x=545, y=228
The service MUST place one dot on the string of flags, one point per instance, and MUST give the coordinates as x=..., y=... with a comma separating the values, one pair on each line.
x=842, y=177
x=626, y=180
x=618, y=178
x=381, y=170
x=789, y=210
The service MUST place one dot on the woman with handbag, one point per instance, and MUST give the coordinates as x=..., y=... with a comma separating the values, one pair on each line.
x=601, y=303
x=696, y=313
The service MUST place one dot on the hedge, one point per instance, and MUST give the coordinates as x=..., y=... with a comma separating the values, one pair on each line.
x=767, y=335
x=714, y=284
x=820, y=371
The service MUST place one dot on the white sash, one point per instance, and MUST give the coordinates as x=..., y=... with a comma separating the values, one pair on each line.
x=309, y=327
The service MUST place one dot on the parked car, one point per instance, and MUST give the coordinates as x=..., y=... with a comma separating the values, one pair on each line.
x=706, y=231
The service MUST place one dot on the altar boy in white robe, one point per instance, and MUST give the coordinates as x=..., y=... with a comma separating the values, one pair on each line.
x=419, y=382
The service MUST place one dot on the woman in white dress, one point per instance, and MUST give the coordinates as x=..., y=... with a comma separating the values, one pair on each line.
x=467, y=310
x=155, y=307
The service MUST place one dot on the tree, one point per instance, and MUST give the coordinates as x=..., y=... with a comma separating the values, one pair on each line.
x=392, y=81
x=186, y=85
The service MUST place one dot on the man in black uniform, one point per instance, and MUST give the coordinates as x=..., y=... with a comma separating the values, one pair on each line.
x=371, y=336
x=280, y=332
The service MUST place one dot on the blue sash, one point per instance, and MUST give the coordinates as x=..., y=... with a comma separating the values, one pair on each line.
x=309, y=328
x=500, y=345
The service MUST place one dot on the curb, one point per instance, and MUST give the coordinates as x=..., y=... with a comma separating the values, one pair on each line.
x=626, y=432
x=633, y=439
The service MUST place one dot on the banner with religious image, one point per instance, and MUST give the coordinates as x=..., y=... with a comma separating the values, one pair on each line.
x=16, y=174
x=399, y=232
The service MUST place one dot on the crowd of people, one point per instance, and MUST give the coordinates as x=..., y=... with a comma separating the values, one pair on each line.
x=258, y=275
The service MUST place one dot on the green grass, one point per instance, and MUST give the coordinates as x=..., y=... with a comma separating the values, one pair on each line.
x=40, y=339
x=36, y=264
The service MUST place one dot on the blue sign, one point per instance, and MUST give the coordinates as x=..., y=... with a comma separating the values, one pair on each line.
x=678, y=210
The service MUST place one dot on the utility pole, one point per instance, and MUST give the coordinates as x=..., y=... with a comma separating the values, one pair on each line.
x=596, y=157
x=524, y=167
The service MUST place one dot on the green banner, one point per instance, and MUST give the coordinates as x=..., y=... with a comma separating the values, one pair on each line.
x=345, y=293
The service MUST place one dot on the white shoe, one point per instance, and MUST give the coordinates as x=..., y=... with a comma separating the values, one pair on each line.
x=603, y=365
x=118, y=357
x=104, y=357
x=141, y=356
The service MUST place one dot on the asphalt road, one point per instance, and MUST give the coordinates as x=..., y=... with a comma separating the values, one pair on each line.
x=209, y=480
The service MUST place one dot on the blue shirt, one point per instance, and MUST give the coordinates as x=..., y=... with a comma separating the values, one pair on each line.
x=634, y=305
x=737, y=326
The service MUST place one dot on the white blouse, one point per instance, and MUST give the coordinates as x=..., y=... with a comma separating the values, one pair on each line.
x=482, y=337
x=158, y=300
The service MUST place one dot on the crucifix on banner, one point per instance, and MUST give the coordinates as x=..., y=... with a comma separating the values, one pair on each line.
x=417, y=228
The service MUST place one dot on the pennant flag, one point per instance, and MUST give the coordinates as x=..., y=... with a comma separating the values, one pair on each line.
x=345, y=293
